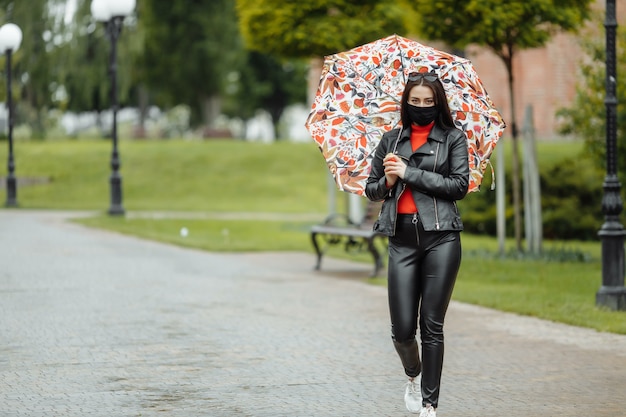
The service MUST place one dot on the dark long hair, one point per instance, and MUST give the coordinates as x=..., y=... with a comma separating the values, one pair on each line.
x=431, y=81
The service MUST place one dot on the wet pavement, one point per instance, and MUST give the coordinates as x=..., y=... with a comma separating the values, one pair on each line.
x=94, y=323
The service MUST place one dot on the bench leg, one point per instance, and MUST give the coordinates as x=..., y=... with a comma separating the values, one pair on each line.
x=318, y=251
x=378, y=262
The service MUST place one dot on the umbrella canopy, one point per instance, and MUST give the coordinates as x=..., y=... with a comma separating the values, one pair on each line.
x=358, y=100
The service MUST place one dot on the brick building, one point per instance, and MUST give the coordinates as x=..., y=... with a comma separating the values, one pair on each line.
x=545, y=78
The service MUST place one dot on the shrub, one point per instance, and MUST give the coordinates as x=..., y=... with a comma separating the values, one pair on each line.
x=571, y=203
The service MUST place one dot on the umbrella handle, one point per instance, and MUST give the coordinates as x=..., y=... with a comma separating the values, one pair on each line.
x=395, y=147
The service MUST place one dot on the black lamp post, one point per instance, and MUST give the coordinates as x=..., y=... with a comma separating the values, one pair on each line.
x=612, y=293
x=10, y=39
x=112, y=13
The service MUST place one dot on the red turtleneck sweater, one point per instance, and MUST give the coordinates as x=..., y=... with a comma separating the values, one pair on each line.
x=419, y=136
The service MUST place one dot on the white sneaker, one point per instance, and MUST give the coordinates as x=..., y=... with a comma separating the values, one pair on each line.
x=428, y=411
x=413, y=397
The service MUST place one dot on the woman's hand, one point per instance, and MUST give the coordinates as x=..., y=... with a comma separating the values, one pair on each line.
x=394, y=168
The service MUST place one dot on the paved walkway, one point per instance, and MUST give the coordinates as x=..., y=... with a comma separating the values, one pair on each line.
x=93, y=323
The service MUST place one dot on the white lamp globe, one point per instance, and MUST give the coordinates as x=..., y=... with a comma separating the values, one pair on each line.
x=10, y=37
x=121, y=7
x=100, y=10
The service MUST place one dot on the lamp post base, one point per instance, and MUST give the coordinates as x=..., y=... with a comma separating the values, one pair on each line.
x=116, y=208
x=11, y=192
x=612, y=293
x=613, y=298
x=116, y=211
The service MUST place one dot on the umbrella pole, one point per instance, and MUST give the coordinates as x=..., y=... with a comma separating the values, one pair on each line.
x=332, y=196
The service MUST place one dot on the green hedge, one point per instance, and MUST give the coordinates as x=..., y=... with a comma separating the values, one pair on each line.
x=571, y=203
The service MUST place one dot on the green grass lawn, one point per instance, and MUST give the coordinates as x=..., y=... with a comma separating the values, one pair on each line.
x=217, y=175
x=234, y=176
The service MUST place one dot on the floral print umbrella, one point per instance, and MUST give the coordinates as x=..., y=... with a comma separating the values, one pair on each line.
x=358, y=100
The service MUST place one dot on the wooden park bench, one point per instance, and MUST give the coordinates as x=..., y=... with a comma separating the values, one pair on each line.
x=337, y=229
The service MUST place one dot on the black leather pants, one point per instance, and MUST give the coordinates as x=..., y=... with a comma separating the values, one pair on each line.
x=422, y=271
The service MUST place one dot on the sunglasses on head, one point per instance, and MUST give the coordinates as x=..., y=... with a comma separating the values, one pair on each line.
x=428, y=76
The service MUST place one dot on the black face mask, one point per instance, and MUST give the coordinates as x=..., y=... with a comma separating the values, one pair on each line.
x=422, y=115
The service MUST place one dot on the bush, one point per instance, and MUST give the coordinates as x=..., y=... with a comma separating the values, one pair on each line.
x=571, y=203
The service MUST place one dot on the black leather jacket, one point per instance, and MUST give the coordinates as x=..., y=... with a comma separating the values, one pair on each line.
x=438, y=174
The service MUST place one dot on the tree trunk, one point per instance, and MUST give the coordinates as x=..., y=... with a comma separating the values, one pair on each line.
x=500, y=199
x=39, y=131
x=532, y=187
x=211, y=108
x=276, y=115
x=144, y=102
x=315, y=73
x=99, y=123
x=516, y=159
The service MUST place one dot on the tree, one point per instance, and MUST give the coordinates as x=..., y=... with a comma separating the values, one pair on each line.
x=33, y=67
x=316, y=28
x=191, y=47
x=505, y=28
x=586, y=117
x=84, y=77
x=268, y=83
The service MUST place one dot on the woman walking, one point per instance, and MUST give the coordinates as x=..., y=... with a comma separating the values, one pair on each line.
x=420, y=171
